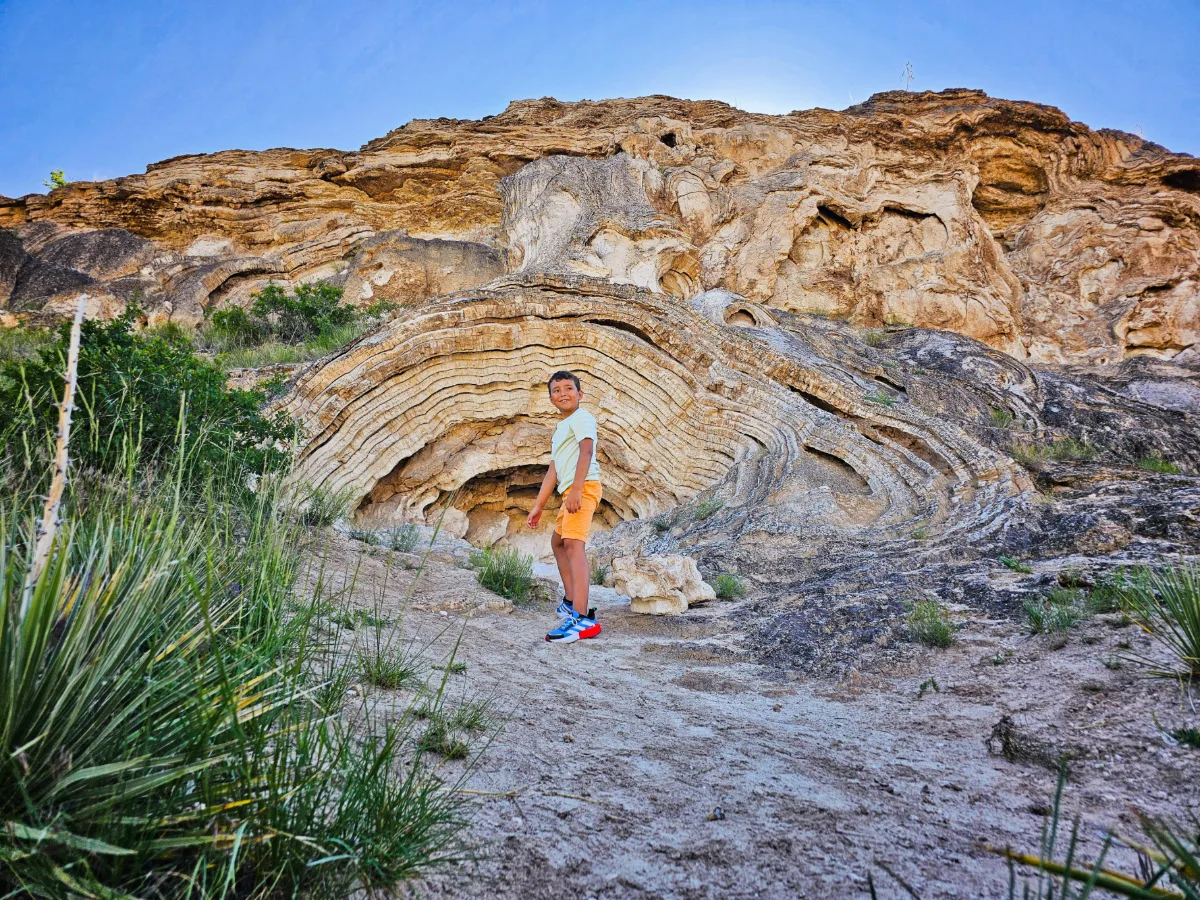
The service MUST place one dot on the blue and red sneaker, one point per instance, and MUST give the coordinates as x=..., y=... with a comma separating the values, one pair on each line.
x=574, y=628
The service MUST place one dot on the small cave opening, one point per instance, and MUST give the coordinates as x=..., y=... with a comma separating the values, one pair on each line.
x=740, y=318
x=668, y=139
x=492, y=508
x=1184, y=180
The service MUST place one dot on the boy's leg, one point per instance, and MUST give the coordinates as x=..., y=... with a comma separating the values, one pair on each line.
x=564, y=567
x=579, y=574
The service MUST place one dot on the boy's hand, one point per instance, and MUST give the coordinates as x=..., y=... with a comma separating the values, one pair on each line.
x=535, y=516
x=574, y=499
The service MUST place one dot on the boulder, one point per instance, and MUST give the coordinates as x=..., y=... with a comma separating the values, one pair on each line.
x=660, y=585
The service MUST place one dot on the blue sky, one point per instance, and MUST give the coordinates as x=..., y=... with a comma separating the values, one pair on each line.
x=101, y=88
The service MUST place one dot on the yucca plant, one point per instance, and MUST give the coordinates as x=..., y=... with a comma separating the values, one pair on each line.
x=1165, y=603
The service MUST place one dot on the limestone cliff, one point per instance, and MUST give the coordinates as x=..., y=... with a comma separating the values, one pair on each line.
x=1000, y=220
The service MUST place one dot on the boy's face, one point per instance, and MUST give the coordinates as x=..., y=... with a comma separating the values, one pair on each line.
x=565, y=396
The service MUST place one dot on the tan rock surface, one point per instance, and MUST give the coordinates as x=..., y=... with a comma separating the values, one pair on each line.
x=660, y=585
x=1001, y=220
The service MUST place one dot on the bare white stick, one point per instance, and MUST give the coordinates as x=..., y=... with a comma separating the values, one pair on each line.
x=49, y=525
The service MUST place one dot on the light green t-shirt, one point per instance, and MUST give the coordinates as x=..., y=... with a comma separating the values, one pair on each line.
x=564, y=448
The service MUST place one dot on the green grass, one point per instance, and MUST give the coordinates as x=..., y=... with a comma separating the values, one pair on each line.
x=454, y=668
x=729, y=587
x=23, y=342
x=599, y=574
x=1169, y=862
x=506, y=572
x=390, y=666
x=874, y=337
x=1016, y=565
x=707, y=508
x=274, y=353
x=1058, y=610
x=921, y=534
x=929, y=624
x=1158, y=464
x=665, y=522
x=1061, y=450
x=1001, y=417
x=322, y=507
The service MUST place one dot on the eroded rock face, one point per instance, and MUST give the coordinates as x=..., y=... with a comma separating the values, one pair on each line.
x=1003, y=221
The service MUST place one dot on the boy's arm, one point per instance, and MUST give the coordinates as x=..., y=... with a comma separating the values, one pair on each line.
x=548, y=483
x=574, y=498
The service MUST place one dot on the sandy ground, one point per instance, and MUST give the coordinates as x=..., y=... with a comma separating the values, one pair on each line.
x=655, y=761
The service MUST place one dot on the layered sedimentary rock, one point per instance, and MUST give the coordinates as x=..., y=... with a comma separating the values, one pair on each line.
x=1000, y=220
x=447, y=406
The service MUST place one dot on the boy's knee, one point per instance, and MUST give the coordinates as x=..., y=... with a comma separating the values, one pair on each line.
x=573, y=545
x=556, y=540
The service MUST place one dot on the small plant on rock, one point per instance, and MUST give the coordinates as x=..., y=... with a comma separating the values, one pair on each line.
x=1001, y=417
x=929, y=624
x=706, y=508
x=1057, y=611
x=388, y=668
x=1016, y=565
x=880, y=398
x=729, y=587
x=506, y=572
x=599, y=574
x=1158, y=464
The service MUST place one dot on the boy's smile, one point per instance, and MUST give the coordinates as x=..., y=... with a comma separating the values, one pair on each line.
x=565, y=396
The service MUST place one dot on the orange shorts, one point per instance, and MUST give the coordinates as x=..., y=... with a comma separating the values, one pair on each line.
x=575, y=526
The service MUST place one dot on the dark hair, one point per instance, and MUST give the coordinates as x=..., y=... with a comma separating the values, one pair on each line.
x=563, y=376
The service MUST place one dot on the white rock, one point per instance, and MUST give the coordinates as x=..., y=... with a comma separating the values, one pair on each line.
x=660, y=585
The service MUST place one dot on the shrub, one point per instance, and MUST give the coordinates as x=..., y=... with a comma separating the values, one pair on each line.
x=599, y=574
x=136, y=394
x=506, y=572
x=325, y=506
x=182, y=756
x=1001, y=417
x=874, y=338
x=22, y=342
x=929, y=624
x=1166, y=604
x=274, y=353
x=403, y=538
x=233, y=328
x=706, y=508
x=1158, y=464
x=367, y=537
x=729, y=587
x=1016, y=565
x=312, y=309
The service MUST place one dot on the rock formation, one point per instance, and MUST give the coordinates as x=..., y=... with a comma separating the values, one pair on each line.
x=835, y=329
x=1000, y=220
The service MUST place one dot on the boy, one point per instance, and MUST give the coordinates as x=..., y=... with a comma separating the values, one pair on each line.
x=574, y=470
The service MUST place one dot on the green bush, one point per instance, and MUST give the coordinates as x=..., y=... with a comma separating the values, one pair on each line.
x=233, y=328
x=313, y=308
x=599, y=574
x=880, y=398
x=1064, y=449
x=370, y=538
x=929, y=624
x=403, y=538
x=506, y=572
x=707, y=508
x=729, y=587
x=136, y=394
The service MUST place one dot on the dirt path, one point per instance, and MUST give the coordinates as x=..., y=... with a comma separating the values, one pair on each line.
x=622, y=748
